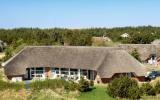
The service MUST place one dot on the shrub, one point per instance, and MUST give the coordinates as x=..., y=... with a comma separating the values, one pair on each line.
x=134, y=93
x=84, y=85
x=157, y=87
x=147, y=89
x=71, y=86
x=6, y=85
x=91, y=83
x=122, y=87
x=53, y=84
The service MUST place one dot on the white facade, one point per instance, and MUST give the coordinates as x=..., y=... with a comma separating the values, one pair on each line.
x=152, y=61
x=125, y=35
x=63, y=73
x=16, y=79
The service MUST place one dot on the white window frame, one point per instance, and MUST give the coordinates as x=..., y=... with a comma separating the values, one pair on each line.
x=35, y=73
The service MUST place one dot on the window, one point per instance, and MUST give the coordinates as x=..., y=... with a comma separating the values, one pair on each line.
x=65, y=71
x=55, y=70
x=84, y=72
x=73, y=71
x=37, y=71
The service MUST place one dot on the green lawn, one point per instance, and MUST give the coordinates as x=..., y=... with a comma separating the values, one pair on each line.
x=99, y=93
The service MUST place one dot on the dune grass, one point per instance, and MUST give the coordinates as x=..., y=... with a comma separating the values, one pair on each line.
x=151, y=97
x=99, y=93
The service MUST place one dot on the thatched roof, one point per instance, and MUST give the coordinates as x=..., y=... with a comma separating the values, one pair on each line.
x=119, y=61
x=106, y=61
x=145, y=50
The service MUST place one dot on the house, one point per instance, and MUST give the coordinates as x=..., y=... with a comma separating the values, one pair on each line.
x=100, y=64
x=125, y=35
x=145, y=50
x=100, y=41
x=157, y=41
x=152, y=60
x=3, y=45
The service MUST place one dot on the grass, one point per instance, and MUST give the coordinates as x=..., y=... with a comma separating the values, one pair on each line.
x=48, y=94
x=151, y=97
x=99, y=93
x=10, y=94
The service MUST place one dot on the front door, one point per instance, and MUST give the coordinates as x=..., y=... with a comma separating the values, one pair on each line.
x=27, y=75
x=28, y=71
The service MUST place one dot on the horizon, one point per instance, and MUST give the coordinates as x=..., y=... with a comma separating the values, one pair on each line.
x=81, y=14
x=79, y=28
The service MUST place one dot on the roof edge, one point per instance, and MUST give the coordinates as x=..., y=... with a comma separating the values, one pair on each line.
x=74, y=46
x=6, y=62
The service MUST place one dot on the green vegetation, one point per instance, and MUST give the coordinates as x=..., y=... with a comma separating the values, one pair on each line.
x=18, y=38
x=157, y=87
x=6, y=85
x=48, y=94
x=84, y=85
x=147, y=89
x=98, y=93
x=136, y=55
x=124, y=87
x=35, y=36
x=54, y=84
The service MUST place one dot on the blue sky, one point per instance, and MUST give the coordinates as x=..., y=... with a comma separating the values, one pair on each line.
x=78, y=13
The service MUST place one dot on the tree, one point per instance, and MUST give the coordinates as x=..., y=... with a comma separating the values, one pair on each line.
x=8, y=53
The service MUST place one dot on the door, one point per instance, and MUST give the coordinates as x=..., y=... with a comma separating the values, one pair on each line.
x=27, y=75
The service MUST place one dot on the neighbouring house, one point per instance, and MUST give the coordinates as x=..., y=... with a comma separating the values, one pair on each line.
x=100, y=64
x=145, y=50
x=3, y=45
x=152, y=59
x=157, y=41
x=100, y=41
x=125, y=35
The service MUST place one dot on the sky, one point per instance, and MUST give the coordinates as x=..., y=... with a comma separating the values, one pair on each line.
x=78, y=13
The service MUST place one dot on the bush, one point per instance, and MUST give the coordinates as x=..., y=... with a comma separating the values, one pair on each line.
x=157, y=87
x=84, y=85
x=123, y=87
x=147, y=89
x=53, y=84
x=134, y=93
x=91, y=83
x=6, y=85
x=71, y=86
